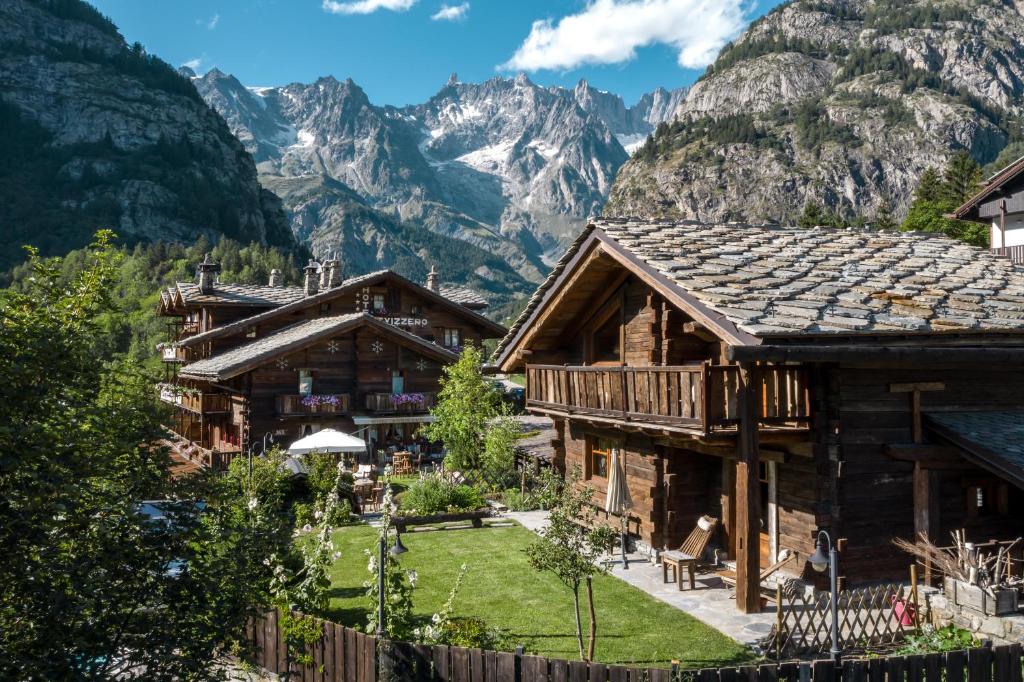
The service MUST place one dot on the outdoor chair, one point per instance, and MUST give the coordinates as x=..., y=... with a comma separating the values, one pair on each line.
x=689, y=553
x=728, y=576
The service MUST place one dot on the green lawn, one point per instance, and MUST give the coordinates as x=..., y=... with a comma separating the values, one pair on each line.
x=533, y=609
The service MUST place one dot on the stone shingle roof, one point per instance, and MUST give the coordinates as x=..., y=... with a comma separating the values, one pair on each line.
x=463, y=296
x=296, y=304
x=786, y=281
x=226, y=364
x=996, y=437
x=239, y=294
x=239, y=359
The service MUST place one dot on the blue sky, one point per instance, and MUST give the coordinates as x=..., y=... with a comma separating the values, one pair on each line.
x=402, y=51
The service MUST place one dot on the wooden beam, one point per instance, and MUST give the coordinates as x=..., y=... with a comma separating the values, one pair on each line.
x=748, y=494
x=988, y=355
x=915, y=390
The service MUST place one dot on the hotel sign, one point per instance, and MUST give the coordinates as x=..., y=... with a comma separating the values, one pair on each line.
x=406, y=321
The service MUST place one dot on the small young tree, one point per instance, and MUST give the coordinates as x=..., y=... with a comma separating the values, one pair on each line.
x=569, y=548
x=499, y=456
x=466, y=405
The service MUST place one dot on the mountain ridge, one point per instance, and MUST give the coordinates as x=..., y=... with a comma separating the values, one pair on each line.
x=505, y=165
x=840, y=103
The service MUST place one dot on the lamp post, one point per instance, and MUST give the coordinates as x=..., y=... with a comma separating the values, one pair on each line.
x=819, y=561
x=382, y=547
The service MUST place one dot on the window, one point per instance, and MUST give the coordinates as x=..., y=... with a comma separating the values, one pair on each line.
x=605, y=346
x=378, y=303
x=325, y=307
x=250, y=333
x=599, y=457
x=305, y=382
x=452, y=338
x=415, y=310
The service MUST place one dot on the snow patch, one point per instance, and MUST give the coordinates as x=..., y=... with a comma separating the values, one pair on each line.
x=544, y=149
x=492, y=159
x=306, y=139
x=631, y=141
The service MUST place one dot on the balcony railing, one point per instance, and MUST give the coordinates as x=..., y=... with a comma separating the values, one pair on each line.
x=173, y=354
x=334, y=403
x=399, y=403
x=202, y=403
x=692, y=397
x=1014, y=253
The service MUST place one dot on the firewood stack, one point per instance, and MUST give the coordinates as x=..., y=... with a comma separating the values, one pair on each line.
x=966, y=562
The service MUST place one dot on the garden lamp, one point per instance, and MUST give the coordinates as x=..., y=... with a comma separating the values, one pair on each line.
x=398, y=547
x=819, y=562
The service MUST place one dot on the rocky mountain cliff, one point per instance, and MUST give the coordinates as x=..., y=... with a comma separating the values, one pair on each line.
x=506, y=165
x=95, y=133
x=840, y=102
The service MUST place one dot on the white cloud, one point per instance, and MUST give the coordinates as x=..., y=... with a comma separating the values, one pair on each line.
x=366, y=6
x=212, y=23
x=193, y=63
x=610, y=31
x=451, y=12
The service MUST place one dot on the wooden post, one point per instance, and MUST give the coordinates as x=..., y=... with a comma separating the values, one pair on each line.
x=748, y=492
x=729, y=506
x=926, y=502
x=915, y=390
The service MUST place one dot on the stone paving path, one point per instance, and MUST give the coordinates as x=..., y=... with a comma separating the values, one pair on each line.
x=711, y=602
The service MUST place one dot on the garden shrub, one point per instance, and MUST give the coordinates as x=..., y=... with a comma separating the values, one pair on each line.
x=948, y=638
x=471, y=633
x=431, y=494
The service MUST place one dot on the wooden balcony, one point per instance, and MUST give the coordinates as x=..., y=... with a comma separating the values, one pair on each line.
x=699, y=399
x=173, y=354
x=1014, y=253
x=402, y=403
x=200, y=403
x=301, y=405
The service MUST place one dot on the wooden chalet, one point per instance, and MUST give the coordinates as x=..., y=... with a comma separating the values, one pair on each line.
x=1000, y=204
x=362, y=355
x=784, y=380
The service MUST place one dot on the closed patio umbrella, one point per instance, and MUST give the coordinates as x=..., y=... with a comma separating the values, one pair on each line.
x=617, y=500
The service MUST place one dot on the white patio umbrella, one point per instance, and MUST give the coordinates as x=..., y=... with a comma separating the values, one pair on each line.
x=327, y=440
x=617, y=499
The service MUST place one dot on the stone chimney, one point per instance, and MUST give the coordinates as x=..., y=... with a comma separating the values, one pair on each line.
x=334, y=272
x=432, y=282
x=309, y=282
x=325, y=275
x=276, y=278
x=206, y=274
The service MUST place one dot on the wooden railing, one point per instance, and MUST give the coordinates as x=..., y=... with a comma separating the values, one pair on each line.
x=701, y=397
x=401, y=403
x=203, y=403
x=1014, y=253
x=206, y=403
x=173, y=354
x=335, y=403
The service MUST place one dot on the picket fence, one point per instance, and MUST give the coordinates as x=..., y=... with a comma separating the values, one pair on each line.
x=346, y=655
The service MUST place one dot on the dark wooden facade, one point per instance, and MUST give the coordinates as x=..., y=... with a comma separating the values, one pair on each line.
x=394, y=345
x=775, y=447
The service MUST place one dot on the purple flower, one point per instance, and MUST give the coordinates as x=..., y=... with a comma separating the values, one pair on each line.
x=407, y=399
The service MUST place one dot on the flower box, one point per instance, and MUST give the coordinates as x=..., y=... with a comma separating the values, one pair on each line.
x=995, y=602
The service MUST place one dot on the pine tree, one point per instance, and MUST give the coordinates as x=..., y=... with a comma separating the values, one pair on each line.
x=930, y=186
x=962, y=178
x=884, y=219
x=812, y=216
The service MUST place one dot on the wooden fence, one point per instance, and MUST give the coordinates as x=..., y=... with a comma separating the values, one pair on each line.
x=869, y=618
x=346, y=655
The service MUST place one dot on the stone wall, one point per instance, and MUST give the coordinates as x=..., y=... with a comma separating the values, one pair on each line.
x=999, y=629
